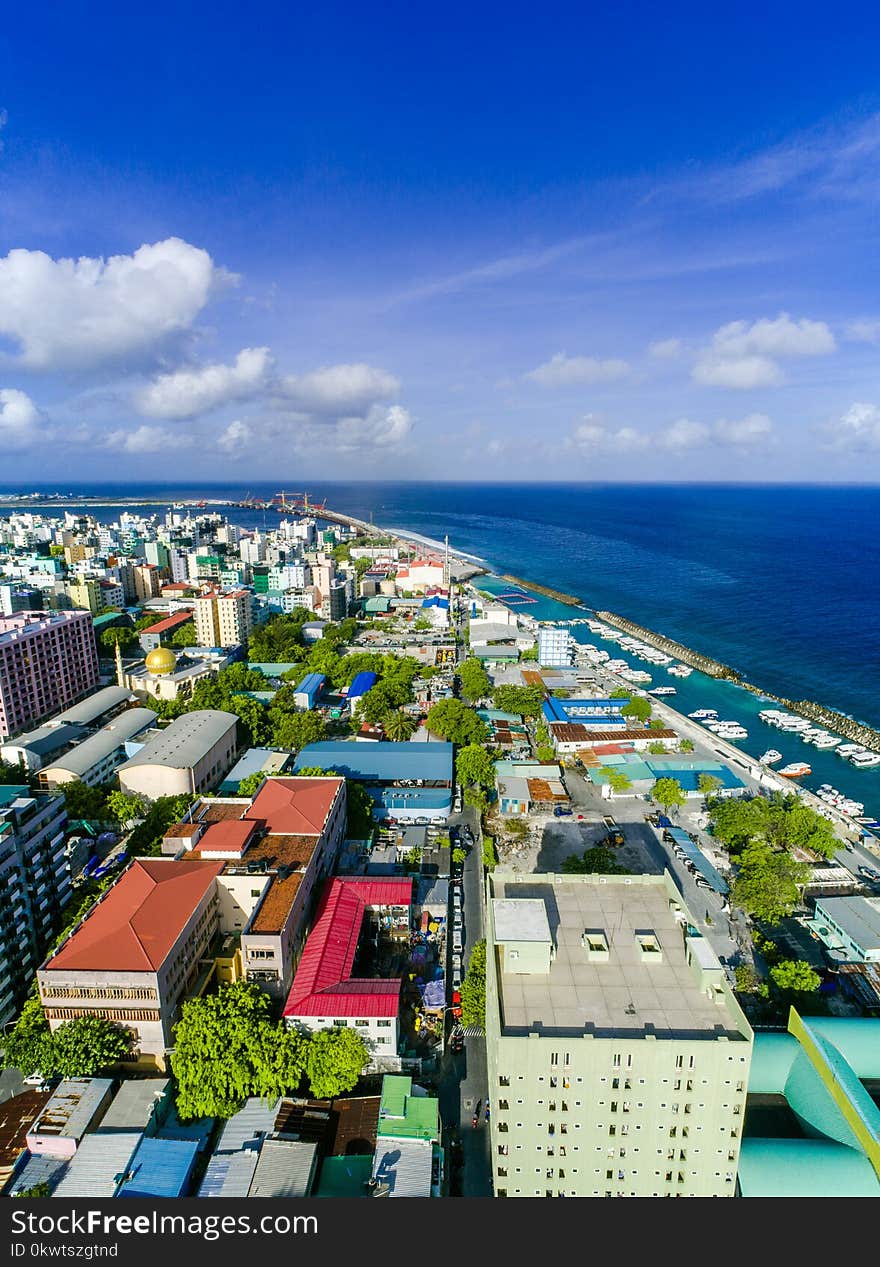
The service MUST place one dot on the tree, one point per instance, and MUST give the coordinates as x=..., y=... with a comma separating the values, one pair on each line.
x=43, y=1189
x=163, y=813
x=668, y=793
x=530, y=653
x=517, y=828
x=255, y=727
x=490, y=857
x=184, y=636
x=638, y=707
x=474, y=765
x=476, y=798
x=28, y=1047
x=475, y=682
x=526, y=701
x=334, y=1060
x=295, y=730
x=125, y=809
x=454, y=721
x=793, y=976
x=86, y=802
x=473, y=988
x=617, y=780
x=249, y=784
x=227, y=1048
x=620, y=692
x=596, y=861
x=686, y=745
x=124, y=635
x=656, y=724
x=768, y=882
x=459, y=855
x=83, y=1047
x=359, y=811
x=398, y=726
x=656, y=747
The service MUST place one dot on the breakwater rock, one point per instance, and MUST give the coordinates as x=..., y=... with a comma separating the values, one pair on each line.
x=570, y=600
x=713, y=668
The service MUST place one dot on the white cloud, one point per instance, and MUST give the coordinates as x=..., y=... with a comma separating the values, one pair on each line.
x=340, y=389
x=19, y=420
x=746, y=356
x=236, y=437
x=190, y=392
x=684, y=434
x=149, y=440
x=863, y=331
x=575, y=371
x=77, y=314
x=745, y=432
x=665, y=349
x=858, y=428
x=381, y=428
x=591, y=434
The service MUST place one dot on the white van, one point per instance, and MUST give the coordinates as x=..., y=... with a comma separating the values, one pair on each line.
x=456, y=939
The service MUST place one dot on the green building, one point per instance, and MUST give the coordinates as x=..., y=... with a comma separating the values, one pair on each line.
x=618, y=1055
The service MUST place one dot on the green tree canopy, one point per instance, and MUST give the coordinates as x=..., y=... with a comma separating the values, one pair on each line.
x=86, y=1045
x=656, y=747
x=638, y=707
x=87, y=802
x=793, y=976
x=163, y=813
x=768, y=882
x=125, y=808
x=473, y=764
x=686, y=745
x=398, y=726
x=454, y=721
x=708, y=783
x=473, y=988
x=475, y=682
x=524, y=700
x=122, y=634
x=620, y=692
x=227, y=1047
x=668, y=793
x=599, y=860
x=334, y=1060
x=295, y=730
x=184, y=635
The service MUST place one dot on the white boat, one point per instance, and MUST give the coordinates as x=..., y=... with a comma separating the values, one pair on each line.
x=770, y=756
x=795, y=770
x=847, y=749
x=702, y=714
x=662, y=690
x=866, y=760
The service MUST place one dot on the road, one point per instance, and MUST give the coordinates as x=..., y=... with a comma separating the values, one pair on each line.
x=463, y=1078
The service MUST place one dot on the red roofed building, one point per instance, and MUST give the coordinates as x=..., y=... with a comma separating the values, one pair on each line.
x=136, y=955
x=324, y=993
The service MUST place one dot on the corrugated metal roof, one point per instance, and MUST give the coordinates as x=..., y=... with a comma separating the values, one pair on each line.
x=247, y=1128
x=361, y=683
x=804, y=1168
x=46, y=739
x=34, y=1169
x=72, y=1107
x=98, y=747
x=97, y=1166
x=160, y=1168
x=229, y=1174
x=383, y=762
x=95, y=706
x=186, y=741
x=135, y=1104
x=286, y=1168
x=405, y=1166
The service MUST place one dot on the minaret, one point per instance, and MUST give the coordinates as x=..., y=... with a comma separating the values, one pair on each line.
x=119, y=671
x=446, y=563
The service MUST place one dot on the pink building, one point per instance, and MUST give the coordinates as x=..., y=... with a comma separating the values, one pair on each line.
x=47, y=661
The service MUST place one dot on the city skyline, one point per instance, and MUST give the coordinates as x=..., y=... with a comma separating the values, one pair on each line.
x=390, y=253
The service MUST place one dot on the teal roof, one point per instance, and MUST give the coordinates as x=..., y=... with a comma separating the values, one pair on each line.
x=272, y=668
x=804, y=1168
x=404, y=1115
x=772, y=1058
x=344, y=1176
x=856, y=1038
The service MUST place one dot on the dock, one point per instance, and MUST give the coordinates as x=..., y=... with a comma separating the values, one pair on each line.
x=712, y=668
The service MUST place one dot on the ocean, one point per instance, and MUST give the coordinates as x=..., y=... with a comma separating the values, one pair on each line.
x=779, y=582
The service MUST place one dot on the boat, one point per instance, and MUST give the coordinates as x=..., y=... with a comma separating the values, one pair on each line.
x=662, y=690
x=770, y=756
x=703, y=713
x=796, y=770
x=865, y=760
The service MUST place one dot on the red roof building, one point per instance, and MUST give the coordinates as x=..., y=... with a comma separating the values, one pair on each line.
x=295, y=807
x=170, y=623
x=323, y=986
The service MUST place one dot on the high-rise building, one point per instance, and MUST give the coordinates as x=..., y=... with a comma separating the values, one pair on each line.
x=618, y=1056
x=46, y=662
x=147, y=581
x=86, y=594
x=223, y=620
x=34, y=886
x=555, y=647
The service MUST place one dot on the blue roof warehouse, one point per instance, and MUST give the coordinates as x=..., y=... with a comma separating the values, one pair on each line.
x=407, y=781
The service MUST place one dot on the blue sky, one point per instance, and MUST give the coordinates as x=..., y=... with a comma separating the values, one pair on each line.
x=377, y=241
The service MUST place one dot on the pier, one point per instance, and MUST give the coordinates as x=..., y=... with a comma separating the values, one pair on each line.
x=570, y=600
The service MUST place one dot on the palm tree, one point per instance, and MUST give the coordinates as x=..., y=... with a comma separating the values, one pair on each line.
x=398, y=726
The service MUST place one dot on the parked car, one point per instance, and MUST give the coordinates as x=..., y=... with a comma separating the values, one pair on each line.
x=562, y=811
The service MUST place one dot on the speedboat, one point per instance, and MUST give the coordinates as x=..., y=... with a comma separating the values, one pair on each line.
x=703, y=713
x=865, y=760
x=796, y=770
x=662, y=690
x=770, y=756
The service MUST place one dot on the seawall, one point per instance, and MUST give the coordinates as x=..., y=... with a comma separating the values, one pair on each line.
x=712, y=668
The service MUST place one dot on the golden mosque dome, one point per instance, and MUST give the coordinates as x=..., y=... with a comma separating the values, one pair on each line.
x=161, y=660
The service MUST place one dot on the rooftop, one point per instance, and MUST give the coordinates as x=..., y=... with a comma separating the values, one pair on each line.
x=186, y=741
x=620, y=992
x=84, y=756
x=295, y=806
x=94, y=706
x=382, y=762
x=71, y=1107
x=231, y=836
x=133, y=927
x=405, y=1113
